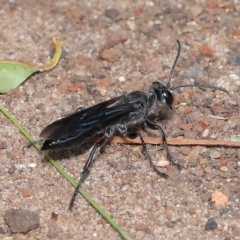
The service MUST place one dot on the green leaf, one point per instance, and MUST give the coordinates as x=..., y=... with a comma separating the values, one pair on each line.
x=12, y=74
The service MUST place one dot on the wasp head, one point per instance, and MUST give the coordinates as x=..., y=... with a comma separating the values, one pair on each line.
x=162, y=95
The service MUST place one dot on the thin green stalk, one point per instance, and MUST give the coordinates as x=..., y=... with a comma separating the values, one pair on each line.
x=66, y=176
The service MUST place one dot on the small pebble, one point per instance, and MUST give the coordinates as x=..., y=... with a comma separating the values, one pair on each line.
x=12, y=169
x=170, y=224
x=192, y=163
x=53, y=230
x=206, y=197
x=111, y=55
x=210, y=175
x=206, y=50
x=3, y=145
x=202, y=161
x=125, y=180
x=190, y=134
x=25, y=193
x=217, y=231
x=186, y=126
x=187, y=110
x=215, y=154
x=215, y=163
x=112, y=13
x=134, y=158
x=223, y=160
x=132, y=25
x=196, y=10
x=32, y=165
x=234, y=59
x=210, y=225
x=205, y=133
x=208, y=169
x=2, y=230
x=150, y=3
x=197, y=183
x=122, y=79
x=21, y=221
x=219, y=198
x=185, y=151
x=162, y=163
x=223, y=168
x=195, y=70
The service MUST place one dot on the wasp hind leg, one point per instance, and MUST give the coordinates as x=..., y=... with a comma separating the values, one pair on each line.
x=84, y=172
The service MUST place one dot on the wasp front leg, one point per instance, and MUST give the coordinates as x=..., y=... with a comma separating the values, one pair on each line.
x=157, y=127
x=132, y=135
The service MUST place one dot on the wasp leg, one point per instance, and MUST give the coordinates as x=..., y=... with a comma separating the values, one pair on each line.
x=157, y=127
x=80, y=109
x=99, y=144
x=31, y=143
x=133, y=135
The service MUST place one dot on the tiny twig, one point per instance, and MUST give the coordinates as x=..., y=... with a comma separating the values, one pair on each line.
x=111, y=44
x=217, y=117
x=177, y=141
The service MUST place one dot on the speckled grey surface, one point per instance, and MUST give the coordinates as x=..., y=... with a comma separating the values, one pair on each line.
x=121, y=180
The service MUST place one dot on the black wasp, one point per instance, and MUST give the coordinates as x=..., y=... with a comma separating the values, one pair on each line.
x=115, y=116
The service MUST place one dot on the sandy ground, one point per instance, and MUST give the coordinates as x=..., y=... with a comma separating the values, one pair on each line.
x=121, y=180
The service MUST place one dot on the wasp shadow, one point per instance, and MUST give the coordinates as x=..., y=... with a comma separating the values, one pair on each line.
x=63, y=154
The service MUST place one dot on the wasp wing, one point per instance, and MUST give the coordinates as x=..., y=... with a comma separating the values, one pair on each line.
x=55, y=130
x=81, y=126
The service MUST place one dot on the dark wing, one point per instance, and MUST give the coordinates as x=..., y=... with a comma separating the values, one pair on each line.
x=81, y=126
x=55, y=129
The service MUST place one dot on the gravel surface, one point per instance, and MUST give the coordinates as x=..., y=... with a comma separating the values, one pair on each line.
x=111, y=47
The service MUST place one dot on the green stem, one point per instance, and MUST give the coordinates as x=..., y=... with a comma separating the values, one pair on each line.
x=73, y=183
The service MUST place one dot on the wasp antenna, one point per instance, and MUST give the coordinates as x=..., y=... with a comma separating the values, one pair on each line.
x=202, y=86
x=174, y=64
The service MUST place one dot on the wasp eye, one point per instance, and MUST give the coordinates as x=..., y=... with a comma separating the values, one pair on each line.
x=168, y=97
